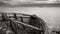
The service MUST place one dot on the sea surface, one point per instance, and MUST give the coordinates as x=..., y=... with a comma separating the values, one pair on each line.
x=51, y=15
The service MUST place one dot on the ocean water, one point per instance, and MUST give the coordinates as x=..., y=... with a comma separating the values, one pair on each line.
x=51, y=15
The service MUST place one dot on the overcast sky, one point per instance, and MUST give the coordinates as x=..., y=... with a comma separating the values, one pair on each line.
x=20, y=1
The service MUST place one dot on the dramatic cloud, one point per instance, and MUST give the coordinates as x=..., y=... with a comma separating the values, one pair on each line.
x=17, y=1
x=14, y=2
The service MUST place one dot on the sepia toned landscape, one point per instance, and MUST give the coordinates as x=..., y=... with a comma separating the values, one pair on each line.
x=48, y=11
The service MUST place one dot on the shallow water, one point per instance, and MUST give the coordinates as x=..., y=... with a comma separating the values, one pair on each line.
x=49, y=14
